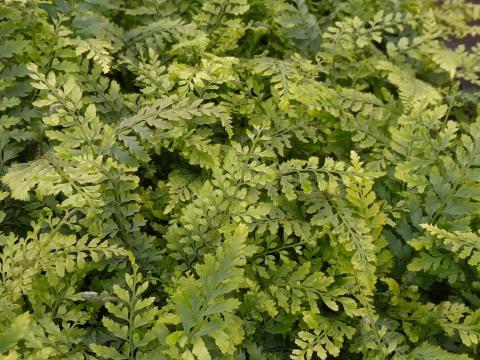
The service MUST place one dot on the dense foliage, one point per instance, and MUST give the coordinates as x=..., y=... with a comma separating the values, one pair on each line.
x=239, y=179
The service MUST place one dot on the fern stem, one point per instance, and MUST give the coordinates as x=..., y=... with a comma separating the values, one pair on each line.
x=281, y=248
x=450, y=106
x=131, y=316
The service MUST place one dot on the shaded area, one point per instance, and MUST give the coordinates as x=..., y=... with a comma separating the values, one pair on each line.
x=469, y=41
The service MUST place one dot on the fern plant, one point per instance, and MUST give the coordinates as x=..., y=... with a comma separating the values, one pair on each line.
x=243, y=179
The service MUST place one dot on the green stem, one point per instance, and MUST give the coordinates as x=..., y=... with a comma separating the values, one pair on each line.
x=131, y=316
x=281, y=248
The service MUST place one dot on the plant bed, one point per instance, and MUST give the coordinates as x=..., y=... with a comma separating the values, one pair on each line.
x=239, y=179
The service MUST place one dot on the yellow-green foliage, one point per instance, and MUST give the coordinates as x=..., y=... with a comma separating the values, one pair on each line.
x=239, y=179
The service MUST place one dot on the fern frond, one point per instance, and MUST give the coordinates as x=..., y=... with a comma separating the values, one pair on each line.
x=97, y=50
x=463, y=244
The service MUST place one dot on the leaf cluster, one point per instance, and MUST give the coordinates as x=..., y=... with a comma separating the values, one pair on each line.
x=239, y=179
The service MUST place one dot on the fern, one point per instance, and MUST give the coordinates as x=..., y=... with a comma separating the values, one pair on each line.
x=427, y=351
x=96, y=50
x=133, y=318
x=203, y=304
x=233, y=179
x=412, y=92
x=327, y=338
x=465, y=244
